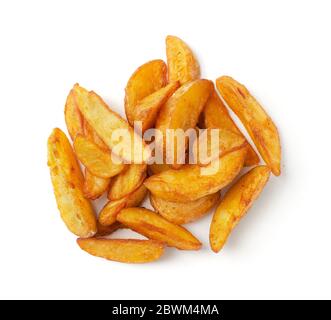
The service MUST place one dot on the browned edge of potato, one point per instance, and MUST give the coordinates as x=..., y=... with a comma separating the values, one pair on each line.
x=257, y=122
x=123, y=250
x=182, y=213
x=94, y=187
x=153, y=226
x=104, y=231
x=235, y=204
x=68, y=180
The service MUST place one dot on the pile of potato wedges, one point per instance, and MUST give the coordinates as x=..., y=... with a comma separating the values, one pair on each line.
x=162, y=96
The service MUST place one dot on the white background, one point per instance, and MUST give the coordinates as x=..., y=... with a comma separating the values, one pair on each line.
x=279, y=49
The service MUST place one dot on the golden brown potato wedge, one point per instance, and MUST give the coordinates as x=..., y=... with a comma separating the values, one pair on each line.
x=147, y=79
x=182, y=111
x=109, y=212
x=94, y=187
x=123, y=250
x=73, y=117
x=96, y=160
x=256, y=121
x=181, y=213
x=182, y=64
x=148, y=108
x=91, y=135
x=106, y=122
x=235, y=204
x=67, y=179
x=153, y=226
x=104, y=231
x=127, y=181
x=215, y=115
x=191, y=183
x=210, y=146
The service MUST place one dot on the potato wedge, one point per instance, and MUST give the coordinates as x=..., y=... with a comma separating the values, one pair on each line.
x=96, y=160
x=94, y=187
x=109, y=212
x=181, y=213
x=182, y=111
x=147, y=79
x=105, y=122
x=182, y=64
x=215, y=115
x=235, y=204
x=205, y=149
x=123, y=250
x=104, y=231
x=256, y=121
x=91, y=135
x=148, y=108
x=188, y=183
x=153, y=226
x=67, y=179
x=73, y=117
x=127, y=181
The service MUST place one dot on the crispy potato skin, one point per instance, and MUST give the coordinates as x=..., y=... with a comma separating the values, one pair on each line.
x=153, y=226
x=182, y=110
x=156, y=168
x=228, y=141
x=67, y=179
x=105, y=121
x=215, y=115
x=181, y=213
x=258, y=124
x=73, y=117
x=91, y=135
x=148, y=108
x=109, y=212
x=127, y=181
x=96, y=160
x=94, y=187
x=235, y=204
x=188, y=184
x=182, y=64
x=123, y=250
x=147, y=79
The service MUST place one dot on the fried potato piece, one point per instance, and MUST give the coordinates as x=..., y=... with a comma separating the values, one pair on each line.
x=156, y=168
x=181, y=213
x=96, y=160
x=191, y=183
x=182, y=111
x=73, y=117
x=127, y=181
x=147, y=79
x=148, y=108
x=215, y=115
x=123, y=250
x=91, y=135
x=67, y=179
x=109, y=212
x=182, y=64
x=235, y=204
x=94, y=186
x=208, y=147
x=256, y=121
x=105, y=122
x=104, y=231
x=153, y=226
